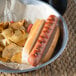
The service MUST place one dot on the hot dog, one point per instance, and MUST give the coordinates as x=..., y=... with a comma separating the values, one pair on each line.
x=33, y=35
x=41, y=42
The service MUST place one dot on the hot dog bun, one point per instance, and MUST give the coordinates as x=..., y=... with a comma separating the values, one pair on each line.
x=33, y=35
x=41, y=41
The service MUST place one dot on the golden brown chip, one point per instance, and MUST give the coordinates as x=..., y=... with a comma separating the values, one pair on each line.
x=3, y=59
x=17, y=25
x=5, y=25
x=21, y=43
x=1, y=48
x=1, y=36
x=7, y=33
x=10, y=50
x=14, y=35
x=1, y=26
x=16, y=58
x=2, y=40
x=25, y=23
x=18, y=36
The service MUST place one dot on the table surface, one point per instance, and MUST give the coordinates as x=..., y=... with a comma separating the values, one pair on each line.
x=65, y=65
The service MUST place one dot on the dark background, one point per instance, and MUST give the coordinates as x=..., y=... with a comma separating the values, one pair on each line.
x=59, y=5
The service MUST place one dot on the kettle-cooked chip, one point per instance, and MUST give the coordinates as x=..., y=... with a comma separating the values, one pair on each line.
x=11, y=50
x=16, y=57
x=1, y=48
x=7, y=33
x=14, y=35
x=18, y=25
x=1, y=36
x=3, y=25
x=21, y=43
x=12, y=39
x=18, y=36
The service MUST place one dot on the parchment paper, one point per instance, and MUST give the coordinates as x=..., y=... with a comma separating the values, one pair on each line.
x=16, y=10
